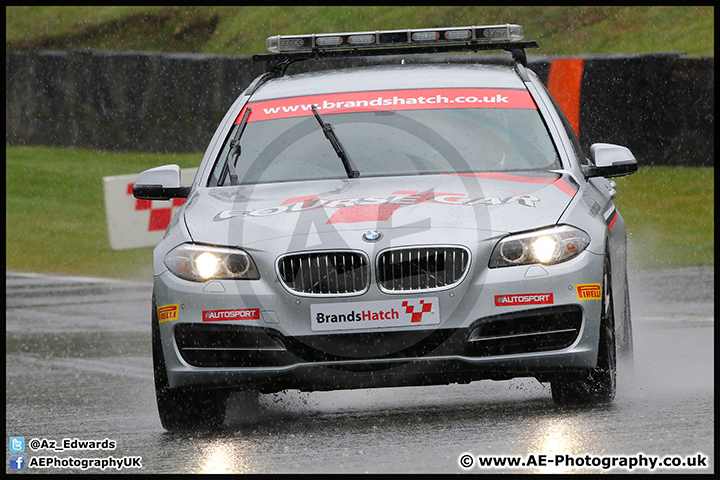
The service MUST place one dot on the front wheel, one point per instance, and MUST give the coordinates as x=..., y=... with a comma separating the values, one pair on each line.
x=183, y=408
x=595, y=385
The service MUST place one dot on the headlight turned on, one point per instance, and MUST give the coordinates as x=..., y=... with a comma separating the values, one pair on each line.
x=200, y=263
x=547, y=247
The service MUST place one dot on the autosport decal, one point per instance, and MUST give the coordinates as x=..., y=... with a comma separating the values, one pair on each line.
x=383, y=313
x=237, y=314
x=168, y=313
x=374, y=208
x=588, y=291
x=524, y=299
x=420, y=99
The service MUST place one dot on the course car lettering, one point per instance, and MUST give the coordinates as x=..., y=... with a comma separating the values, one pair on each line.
x=496, y=201
x=376, y=207
x=588, y=291
x=168, y=313
x=406, y=199
x=352, y=102
x=266, y=212
x=307, y=205
x=342, y=203
x=451, y=199
x=237, y=314
x=527, y=200
x=524, y=299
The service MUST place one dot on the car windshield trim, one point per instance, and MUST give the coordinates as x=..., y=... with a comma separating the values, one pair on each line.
x=470, y=173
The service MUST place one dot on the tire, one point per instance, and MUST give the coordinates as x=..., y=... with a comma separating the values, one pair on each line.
x=594, y=386
x=626, y=350
x=182, y=409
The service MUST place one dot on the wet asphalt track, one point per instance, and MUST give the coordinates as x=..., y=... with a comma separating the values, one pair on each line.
x=78, y=366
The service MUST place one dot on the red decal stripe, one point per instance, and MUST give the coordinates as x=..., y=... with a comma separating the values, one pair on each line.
x=612, y=221
x=363, y=213
x=564, y=186
x=560, y=183
x=303, y=199
x=506, y=177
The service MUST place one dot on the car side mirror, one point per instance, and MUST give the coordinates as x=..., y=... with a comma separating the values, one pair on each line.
x=610, y=161
x=160, y=183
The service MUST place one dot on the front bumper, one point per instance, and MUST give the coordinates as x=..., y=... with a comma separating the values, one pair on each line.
x=477, y=338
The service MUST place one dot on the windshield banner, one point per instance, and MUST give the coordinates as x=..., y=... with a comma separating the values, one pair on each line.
x=421, y=99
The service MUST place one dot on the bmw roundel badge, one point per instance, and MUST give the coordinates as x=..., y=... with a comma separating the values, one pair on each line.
x=371, y=236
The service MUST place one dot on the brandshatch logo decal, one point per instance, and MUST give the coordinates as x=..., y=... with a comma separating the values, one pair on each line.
x=417, y=316
x=382, y=313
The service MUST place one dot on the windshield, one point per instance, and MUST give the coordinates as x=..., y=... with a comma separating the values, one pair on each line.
x=401, y=139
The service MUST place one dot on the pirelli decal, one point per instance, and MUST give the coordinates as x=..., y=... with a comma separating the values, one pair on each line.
x=167, y=313
x=588, y=291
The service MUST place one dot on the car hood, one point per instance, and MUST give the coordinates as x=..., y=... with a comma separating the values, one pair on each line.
x=485, y=204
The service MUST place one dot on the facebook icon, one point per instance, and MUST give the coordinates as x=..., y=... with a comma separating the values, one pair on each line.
x=17, y=462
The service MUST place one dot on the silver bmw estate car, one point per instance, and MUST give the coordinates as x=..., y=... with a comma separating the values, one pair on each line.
x=392, y=225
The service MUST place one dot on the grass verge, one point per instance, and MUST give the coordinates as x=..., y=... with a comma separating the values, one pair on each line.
x=232, y=30
x=670, y=216
x=55, y=211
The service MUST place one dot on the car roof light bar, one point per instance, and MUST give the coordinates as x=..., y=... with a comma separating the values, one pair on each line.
x=394, y=38
x=277, y=63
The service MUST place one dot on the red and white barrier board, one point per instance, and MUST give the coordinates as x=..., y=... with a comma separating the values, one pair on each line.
x=134, y=223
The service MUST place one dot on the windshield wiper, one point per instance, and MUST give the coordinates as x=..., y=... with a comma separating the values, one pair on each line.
x=329, y=131
x=234, y=152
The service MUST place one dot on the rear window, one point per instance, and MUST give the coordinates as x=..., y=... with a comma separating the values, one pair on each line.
x=406, y=132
